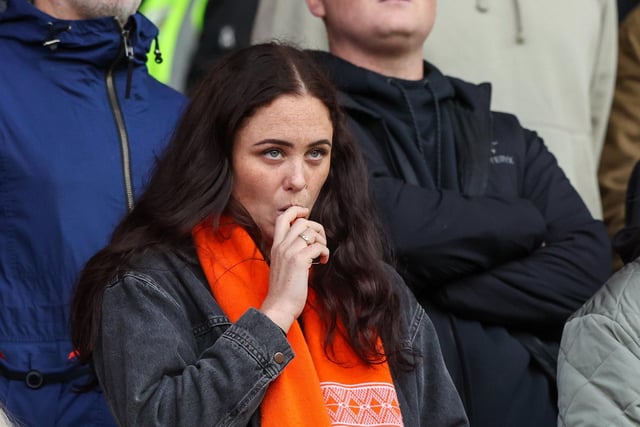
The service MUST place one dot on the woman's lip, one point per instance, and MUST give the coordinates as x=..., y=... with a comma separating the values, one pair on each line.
x=289, y=206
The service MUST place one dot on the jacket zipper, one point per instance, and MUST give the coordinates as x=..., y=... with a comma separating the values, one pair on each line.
x=127, y=52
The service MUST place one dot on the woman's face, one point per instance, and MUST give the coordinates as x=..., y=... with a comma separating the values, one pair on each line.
x=281, y=157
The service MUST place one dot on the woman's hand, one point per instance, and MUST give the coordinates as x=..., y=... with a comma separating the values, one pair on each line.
x=297, y=242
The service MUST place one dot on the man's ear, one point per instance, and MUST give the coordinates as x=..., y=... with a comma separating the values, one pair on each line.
x=316, y=7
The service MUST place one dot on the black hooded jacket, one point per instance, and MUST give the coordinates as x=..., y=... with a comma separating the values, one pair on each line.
x=487, y=230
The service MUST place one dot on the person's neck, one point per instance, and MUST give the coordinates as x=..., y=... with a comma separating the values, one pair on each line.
x=58, y=9
x=405, y=66
x=62, y=9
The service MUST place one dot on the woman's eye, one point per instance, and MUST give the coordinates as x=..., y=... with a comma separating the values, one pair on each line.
x=272, y=154
x=316, y=154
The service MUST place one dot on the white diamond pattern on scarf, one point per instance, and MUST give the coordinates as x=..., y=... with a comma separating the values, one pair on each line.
x=365, y=404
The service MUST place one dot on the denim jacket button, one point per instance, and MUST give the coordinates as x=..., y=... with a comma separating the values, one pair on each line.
x=278, y=358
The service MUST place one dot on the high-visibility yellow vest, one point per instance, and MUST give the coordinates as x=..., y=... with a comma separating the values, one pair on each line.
x=180, y=24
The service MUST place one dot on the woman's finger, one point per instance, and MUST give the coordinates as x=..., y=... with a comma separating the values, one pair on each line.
x=285, y=221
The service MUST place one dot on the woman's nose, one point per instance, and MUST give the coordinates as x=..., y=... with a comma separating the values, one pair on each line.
x=295, y=179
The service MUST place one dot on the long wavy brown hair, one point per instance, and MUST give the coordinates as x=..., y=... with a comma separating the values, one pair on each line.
x=192, y=182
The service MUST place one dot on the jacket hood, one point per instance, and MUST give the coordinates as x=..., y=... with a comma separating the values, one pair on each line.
x=411, y=109
x=97, y=41
x=357, y=81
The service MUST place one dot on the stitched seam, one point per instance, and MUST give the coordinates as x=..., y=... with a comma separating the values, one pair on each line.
x=148, y=282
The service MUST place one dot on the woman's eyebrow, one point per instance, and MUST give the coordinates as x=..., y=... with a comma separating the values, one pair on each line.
x=283, y=143
x=273, y=141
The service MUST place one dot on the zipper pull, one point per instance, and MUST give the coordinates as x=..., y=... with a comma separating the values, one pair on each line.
x=157, y=52
x=128, y=49
x=128, y=53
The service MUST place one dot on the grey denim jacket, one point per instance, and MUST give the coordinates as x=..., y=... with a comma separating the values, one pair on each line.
x=166, y=355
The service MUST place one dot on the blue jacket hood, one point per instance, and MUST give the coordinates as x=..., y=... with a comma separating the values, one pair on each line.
x=96, y=41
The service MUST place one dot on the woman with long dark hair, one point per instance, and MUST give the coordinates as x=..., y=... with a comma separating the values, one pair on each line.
x=248, y=285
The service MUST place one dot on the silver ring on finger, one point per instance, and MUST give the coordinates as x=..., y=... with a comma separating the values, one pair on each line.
x=305, y=238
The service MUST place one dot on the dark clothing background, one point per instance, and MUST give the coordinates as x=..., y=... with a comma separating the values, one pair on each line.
x=499, y=255
x=226, y=27
x=624, y=7
x=626, y=242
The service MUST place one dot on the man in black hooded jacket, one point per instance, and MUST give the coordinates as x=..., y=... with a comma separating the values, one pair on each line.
x=487, y=230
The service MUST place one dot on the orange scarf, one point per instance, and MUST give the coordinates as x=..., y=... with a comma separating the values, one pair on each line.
x=312, y=390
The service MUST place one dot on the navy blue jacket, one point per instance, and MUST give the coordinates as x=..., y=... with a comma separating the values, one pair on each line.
x=500, y=252
x=74, y=151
